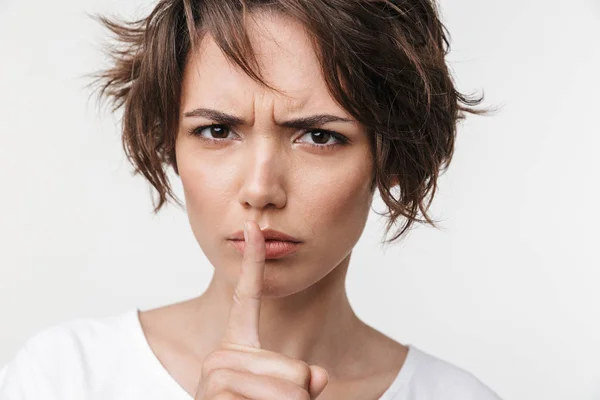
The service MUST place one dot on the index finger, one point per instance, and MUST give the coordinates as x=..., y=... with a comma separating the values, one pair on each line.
x=242, y=327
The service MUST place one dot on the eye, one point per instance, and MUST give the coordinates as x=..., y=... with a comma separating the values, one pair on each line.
x=323, y=138
x=320, y=137
x=208, y=132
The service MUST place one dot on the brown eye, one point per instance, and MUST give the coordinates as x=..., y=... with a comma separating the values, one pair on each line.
x=320, y=137
x=217, y=131
x=213, y=132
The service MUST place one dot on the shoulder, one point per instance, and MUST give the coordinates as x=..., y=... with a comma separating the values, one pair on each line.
x=81, y=337
x=77, y=348
x=440, y=379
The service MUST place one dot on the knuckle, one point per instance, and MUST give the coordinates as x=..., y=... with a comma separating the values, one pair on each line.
x=212, y=362
x=298, y=394
x=239, y=297
x=217, y=380
x=301, y=372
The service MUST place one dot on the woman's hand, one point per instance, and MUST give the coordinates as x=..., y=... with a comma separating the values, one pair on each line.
x=240, y=369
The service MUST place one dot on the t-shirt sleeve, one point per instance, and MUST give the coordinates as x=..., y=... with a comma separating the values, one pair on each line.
x=438, y=379
x=21, y=377
x=37, y=370
x=78, y=359
x=466, y=386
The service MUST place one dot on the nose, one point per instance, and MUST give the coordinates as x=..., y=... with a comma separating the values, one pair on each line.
x=263, y=173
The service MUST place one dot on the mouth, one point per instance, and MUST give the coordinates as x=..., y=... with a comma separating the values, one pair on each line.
x=273, y=248
x=269, y=235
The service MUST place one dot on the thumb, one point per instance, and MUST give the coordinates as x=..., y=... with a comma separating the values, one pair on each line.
x=319, y=378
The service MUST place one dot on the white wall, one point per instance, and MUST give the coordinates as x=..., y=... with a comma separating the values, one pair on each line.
x=508, y=289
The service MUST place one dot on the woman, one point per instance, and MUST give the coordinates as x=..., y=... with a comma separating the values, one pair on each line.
x=238, y=98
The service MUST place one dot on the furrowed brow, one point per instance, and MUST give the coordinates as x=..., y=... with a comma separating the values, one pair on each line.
x=310, y=121
x=217, y=116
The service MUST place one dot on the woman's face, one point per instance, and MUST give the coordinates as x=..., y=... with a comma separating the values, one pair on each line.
x=303, y=182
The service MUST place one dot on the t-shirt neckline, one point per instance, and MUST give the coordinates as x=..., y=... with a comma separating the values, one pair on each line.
x=167, y=380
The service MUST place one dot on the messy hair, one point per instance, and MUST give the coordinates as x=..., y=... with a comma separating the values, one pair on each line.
x=383, y=61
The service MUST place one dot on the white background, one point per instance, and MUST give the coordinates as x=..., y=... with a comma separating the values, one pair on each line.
x=508, y=289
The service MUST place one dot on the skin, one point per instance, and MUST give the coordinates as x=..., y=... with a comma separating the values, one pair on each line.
x=279, y=178
x=240, y=367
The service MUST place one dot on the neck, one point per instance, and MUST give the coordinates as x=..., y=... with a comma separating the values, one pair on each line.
x=316, y=325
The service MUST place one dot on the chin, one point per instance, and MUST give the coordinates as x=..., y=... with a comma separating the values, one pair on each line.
x=283, y=276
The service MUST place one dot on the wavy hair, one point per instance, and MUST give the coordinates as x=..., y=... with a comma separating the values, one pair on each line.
x=382, y=60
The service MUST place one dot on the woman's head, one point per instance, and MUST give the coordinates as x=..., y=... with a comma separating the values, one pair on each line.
x=378, y=64
x=276, y=167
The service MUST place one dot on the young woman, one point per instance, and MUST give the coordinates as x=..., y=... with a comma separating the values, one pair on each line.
x=281, y=118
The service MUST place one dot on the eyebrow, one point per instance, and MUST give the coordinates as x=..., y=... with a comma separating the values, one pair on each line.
x=310, y=121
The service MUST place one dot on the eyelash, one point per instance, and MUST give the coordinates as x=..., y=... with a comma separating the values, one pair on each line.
x=342, y=140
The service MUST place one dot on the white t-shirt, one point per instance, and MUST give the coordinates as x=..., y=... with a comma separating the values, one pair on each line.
x=109, y=358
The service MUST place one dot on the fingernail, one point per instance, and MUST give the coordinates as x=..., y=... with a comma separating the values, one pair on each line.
x=246, y=231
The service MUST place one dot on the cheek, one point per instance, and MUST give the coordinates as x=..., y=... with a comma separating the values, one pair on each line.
x=337, y=205
x=194, y=179
x=203, y=191
x=205, y=194
x=202, y=178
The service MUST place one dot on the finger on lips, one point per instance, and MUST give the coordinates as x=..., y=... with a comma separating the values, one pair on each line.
x=242, y=327
x=240, y=366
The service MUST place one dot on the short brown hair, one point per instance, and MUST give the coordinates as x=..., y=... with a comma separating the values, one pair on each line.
x=382, y=60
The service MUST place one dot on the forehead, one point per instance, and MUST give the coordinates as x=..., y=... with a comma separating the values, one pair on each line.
x=286, y=58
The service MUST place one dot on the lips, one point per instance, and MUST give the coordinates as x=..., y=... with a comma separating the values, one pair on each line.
x=277, y=243
x=269, y=234
x=273, y=248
